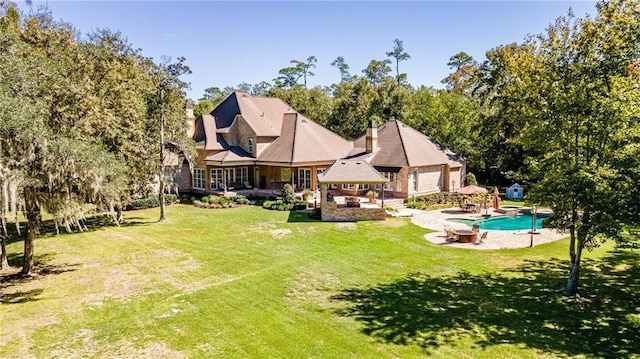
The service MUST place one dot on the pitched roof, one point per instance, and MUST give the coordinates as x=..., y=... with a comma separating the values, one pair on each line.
x=399, y=145
x=205, y=134
x=264, y=115
x=302, y=140
x=350, y=171
x=232, y=154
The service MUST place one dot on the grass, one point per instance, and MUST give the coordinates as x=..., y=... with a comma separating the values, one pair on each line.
x=252, y=283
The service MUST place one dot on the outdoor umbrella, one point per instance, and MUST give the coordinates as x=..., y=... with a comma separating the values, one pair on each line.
x=471, y=189
x=496, y=198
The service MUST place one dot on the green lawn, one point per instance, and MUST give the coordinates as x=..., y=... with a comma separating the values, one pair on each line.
x=252, y=283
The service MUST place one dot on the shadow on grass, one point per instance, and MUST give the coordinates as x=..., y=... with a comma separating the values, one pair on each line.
x=93, y=223
x=13, y=278
x=297, y=217
x=521, y=306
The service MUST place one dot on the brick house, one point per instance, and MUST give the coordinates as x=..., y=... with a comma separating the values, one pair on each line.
x=253, y=142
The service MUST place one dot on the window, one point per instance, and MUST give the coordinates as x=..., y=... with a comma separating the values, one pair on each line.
x=198, y=178
x=415, y=181
x=333, y=186
x=304, y=175
x=364, y=186
x=391, y=177
x=250, y=146
x=349, y=187
x=243, y=176
x=378, y=186
x=216, y=179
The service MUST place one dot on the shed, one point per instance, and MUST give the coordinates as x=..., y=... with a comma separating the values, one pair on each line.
x=515, y=191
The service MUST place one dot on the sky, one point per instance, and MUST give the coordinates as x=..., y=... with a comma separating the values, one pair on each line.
x=226, y=43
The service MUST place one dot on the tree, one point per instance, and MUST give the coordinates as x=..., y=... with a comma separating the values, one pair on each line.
x=168, y=108
x=304, y=67
x=399, y=55
x=211, y=98
x=377, y=71
x=41, y=105
x=343, y=67
x=289, y=76
x=463, y=66
x=579, y=96
x=76, y=117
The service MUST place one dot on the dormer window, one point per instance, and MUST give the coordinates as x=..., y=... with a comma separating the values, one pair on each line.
x=250, y=146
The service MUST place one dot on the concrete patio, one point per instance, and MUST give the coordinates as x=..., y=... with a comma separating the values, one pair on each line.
x=437, y=221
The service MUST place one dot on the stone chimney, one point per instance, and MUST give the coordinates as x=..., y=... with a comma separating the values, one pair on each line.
x=372, y=137
x=191, y=120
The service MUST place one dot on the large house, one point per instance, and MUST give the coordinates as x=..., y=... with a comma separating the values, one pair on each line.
x=253, y=142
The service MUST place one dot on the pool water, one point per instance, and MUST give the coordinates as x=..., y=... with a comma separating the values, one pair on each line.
x=503, y=223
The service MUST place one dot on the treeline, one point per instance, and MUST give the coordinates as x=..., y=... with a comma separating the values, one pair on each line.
x=80, y=122
x=450, y=116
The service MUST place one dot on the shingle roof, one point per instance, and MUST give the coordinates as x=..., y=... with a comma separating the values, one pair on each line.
x=233, y=154
x=302, y=140
x=205, y=134
x=350, y=171
x=399, y=145
x=264, y=115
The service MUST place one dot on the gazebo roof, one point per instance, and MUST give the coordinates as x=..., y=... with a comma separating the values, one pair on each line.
x=350, y=171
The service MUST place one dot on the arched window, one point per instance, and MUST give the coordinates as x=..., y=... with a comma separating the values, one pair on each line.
x=250, y=146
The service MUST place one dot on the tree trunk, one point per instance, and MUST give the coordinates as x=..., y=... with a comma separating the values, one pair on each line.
x=163, y=211
x=574, y=273
x=32, y=210
x=4, y=261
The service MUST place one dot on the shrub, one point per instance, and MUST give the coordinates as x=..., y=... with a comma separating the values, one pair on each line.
x=288, y=194
x=150, y=202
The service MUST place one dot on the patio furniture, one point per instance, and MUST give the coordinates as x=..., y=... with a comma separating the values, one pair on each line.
x=465, y=235
x=352, y=202
x=451, y=237
x=483, y=237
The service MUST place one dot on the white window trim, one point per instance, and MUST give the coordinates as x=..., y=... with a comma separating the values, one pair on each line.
x=197, y=179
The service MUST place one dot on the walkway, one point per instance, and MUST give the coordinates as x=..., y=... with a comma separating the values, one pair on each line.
x=436, y=220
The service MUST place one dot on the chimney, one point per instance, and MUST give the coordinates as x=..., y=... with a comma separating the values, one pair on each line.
x=372, y=137
x=191, y=120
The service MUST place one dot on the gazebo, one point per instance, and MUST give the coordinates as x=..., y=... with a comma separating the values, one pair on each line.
x=349, y=172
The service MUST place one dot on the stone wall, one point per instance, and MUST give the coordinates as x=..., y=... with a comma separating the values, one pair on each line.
x=351, y=214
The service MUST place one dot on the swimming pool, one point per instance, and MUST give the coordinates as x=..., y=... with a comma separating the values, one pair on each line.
x=503, y=223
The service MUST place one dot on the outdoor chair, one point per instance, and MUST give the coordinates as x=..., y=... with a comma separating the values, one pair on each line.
x=483, y=238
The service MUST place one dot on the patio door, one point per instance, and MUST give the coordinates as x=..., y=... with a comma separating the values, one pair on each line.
x=216, y=178
x=304, y=178
x=230, y=177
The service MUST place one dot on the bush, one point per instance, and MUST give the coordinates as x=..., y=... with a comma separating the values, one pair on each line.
x=280, y=205
x=288, y=194
x=150, y=202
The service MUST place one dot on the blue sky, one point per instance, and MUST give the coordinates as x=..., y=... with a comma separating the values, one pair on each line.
x=230, y=42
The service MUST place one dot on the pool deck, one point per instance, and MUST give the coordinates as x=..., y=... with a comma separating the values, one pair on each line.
x=437, y=221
